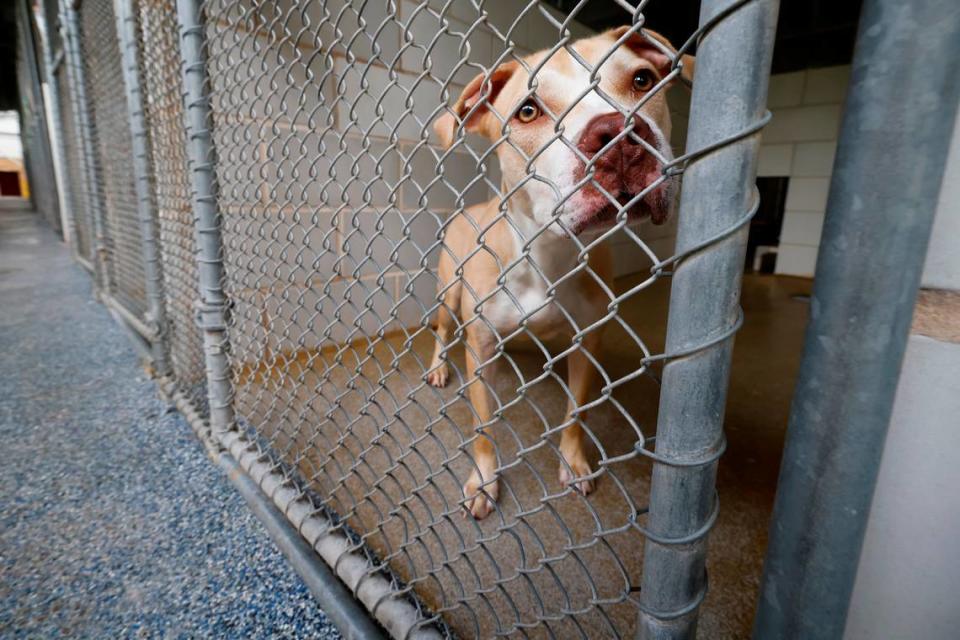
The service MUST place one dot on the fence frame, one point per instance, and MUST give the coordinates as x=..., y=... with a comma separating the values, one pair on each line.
x=39, y=159
x=100, y=257
x=155, y=317
x=325, y=553
x=52, y=62
x=212, y=305
x=880, y=210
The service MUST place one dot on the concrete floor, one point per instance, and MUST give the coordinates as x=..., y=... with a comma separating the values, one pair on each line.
x=113, y=522
x=389, y=455
x=151, y=540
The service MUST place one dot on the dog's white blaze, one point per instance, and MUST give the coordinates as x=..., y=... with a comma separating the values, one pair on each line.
x=524, y=294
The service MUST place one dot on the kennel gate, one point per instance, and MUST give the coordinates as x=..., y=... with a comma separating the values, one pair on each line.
x=267, y=206
x=107, y=206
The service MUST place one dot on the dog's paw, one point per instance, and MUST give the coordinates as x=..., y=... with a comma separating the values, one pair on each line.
x=573, y=472
x=439, y=376
x=480, y=503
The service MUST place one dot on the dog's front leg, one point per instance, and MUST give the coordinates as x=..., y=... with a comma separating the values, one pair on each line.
x=582, y=379
x=482, y=487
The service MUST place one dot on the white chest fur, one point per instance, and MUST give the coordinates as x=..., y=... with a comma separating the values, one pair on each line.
x=538, y=294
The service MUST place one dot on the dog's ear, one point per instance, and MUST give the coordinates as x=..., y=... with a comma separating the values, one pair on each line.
x=482, y=89
x=640, y=43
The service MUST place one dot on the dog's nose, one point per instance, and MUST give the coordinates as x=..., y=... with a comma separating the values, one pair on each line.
x=601, y=130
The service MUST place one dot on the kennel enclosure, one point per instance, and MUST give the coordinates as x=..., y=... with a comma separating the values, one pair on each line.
x=260, y=196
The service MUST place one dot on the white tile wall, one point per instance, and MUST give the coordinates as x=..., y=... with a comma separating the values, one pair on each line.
x=455, y=52
x=334, y=25
x=827, y=85
x=800, y=143
x=942, y=268
x=802, y=228
x=323, y=160
x=388, y=239
x=461, y=175
x=796, y=260
x=295, y=169
x=786, y=90
x=278, y=167
x=807, y=194
x=775, y=160
x=421, y=299
x=813, y=159
x=802, y=124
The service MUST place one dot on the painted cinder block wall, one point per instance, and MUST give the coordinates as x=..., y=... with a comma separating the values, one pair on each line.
x=800, y=143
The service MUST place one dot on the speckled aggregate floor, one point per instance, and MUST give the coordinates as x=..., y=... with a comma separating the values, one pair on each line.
x=113, y=522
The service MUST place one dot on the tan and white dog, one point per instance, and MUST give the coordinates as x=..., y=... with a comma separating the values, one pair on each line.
x=543, y=212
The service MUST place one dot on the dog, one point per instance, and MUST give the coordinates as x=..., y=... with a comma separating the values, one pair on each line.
x=548, y=200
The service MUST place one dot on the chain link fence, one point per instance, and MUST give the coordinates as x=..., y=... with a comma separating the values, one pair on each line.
x=112, y=156
x=163, y=108
x=413, y=263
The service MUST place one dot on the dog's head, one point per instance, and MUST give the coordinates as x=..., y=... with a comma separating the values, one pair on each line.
x=577, y=123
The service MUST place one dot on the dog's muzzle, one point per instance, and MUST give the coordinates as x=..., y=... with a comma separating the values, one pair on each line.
x=622, y=169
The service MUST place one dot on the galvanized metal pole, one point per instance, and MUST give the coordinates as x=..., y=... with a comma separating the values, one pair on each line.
x=39, y=158
x=67, y=215
x=78, y=95
x=895, y=134
x=202, y=156
x=729, y=100
x=129, y=43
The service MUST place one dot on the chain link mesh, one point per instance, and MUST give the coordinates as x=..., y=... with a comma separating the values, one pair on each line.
x=388, y=379
x=110, y=129
x=163, y=105
x=336, y=200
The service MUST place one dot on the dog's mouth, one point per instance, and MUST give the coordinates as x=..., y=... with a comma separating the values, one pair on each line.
x=625, y=176
x=595, y=210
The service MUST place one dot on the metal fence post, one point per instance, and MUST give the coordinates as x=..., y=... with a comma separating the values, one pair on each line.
x=211, y=312
x=728, y=104
x=78, y=96
x=883, y=196
x=146, y=209
x=37, y=151
x=58, y=149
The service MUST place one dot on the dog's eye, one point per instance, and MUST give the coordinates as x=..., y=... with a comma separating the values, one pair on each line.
x=528, y=111
x=643, y=80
